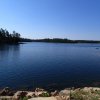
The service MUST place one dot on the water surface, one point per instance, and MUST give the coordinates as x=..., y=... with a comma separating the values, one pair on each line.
x=49, y=64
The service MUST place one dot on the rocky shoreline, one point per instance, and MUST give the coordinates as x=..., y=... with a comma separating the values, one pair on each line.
x=86, y=93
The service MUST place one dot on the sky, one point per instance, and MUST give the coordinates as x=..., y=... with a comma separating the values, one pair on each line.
x=72, y=19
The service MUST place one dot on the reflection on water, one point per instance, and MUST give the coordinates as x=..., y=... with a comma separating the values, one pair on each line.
x=49, y=64
x=9, y=50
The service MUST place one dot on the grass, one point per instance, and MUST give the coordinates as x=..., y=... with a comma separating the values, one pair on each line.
x=83, y=95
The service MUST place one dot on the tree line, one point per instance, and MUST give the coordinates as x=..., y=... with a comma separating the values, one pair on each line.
x=15, y=37
x=60, y=40
x=7, y=37
x=54, y=40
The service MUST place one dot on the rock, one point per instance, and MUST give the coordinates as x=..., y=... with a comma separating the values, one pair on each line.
x=5, y=91
x=55, y=93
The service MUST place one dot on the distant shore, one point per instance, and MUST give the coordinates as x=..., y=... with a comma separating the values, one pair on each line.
x=13, y=38
x=60, y=40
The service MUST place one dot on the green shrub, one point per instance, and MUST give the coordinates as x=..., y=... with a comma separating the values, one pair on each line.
x=44, y=95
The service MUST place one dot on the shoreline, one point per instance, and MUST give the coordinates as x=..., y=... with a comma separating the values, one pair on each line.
x=42, y=94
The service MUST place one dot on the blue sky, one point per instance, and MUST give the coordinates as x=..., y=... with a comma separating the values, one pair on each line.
x=73, y=19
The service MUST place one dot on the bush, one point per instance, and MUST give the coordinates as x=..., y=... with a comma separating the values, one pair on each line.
x=44, y=95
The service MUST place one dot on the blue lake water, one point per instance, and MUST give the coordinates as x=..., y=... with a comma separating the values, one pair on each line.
x=49, y=65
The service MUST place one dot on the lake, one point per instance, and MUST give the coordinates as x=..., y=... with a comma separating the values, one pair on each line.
x=55, y=65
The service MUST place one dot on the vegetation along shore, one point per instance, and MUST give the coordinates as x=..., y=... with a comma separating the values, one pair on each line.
x=86, y=93
x=14, y=38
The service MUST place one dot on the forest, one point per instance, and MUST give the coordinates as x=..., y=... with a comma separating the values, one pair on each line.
x=9, y=38
x=14, y=38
